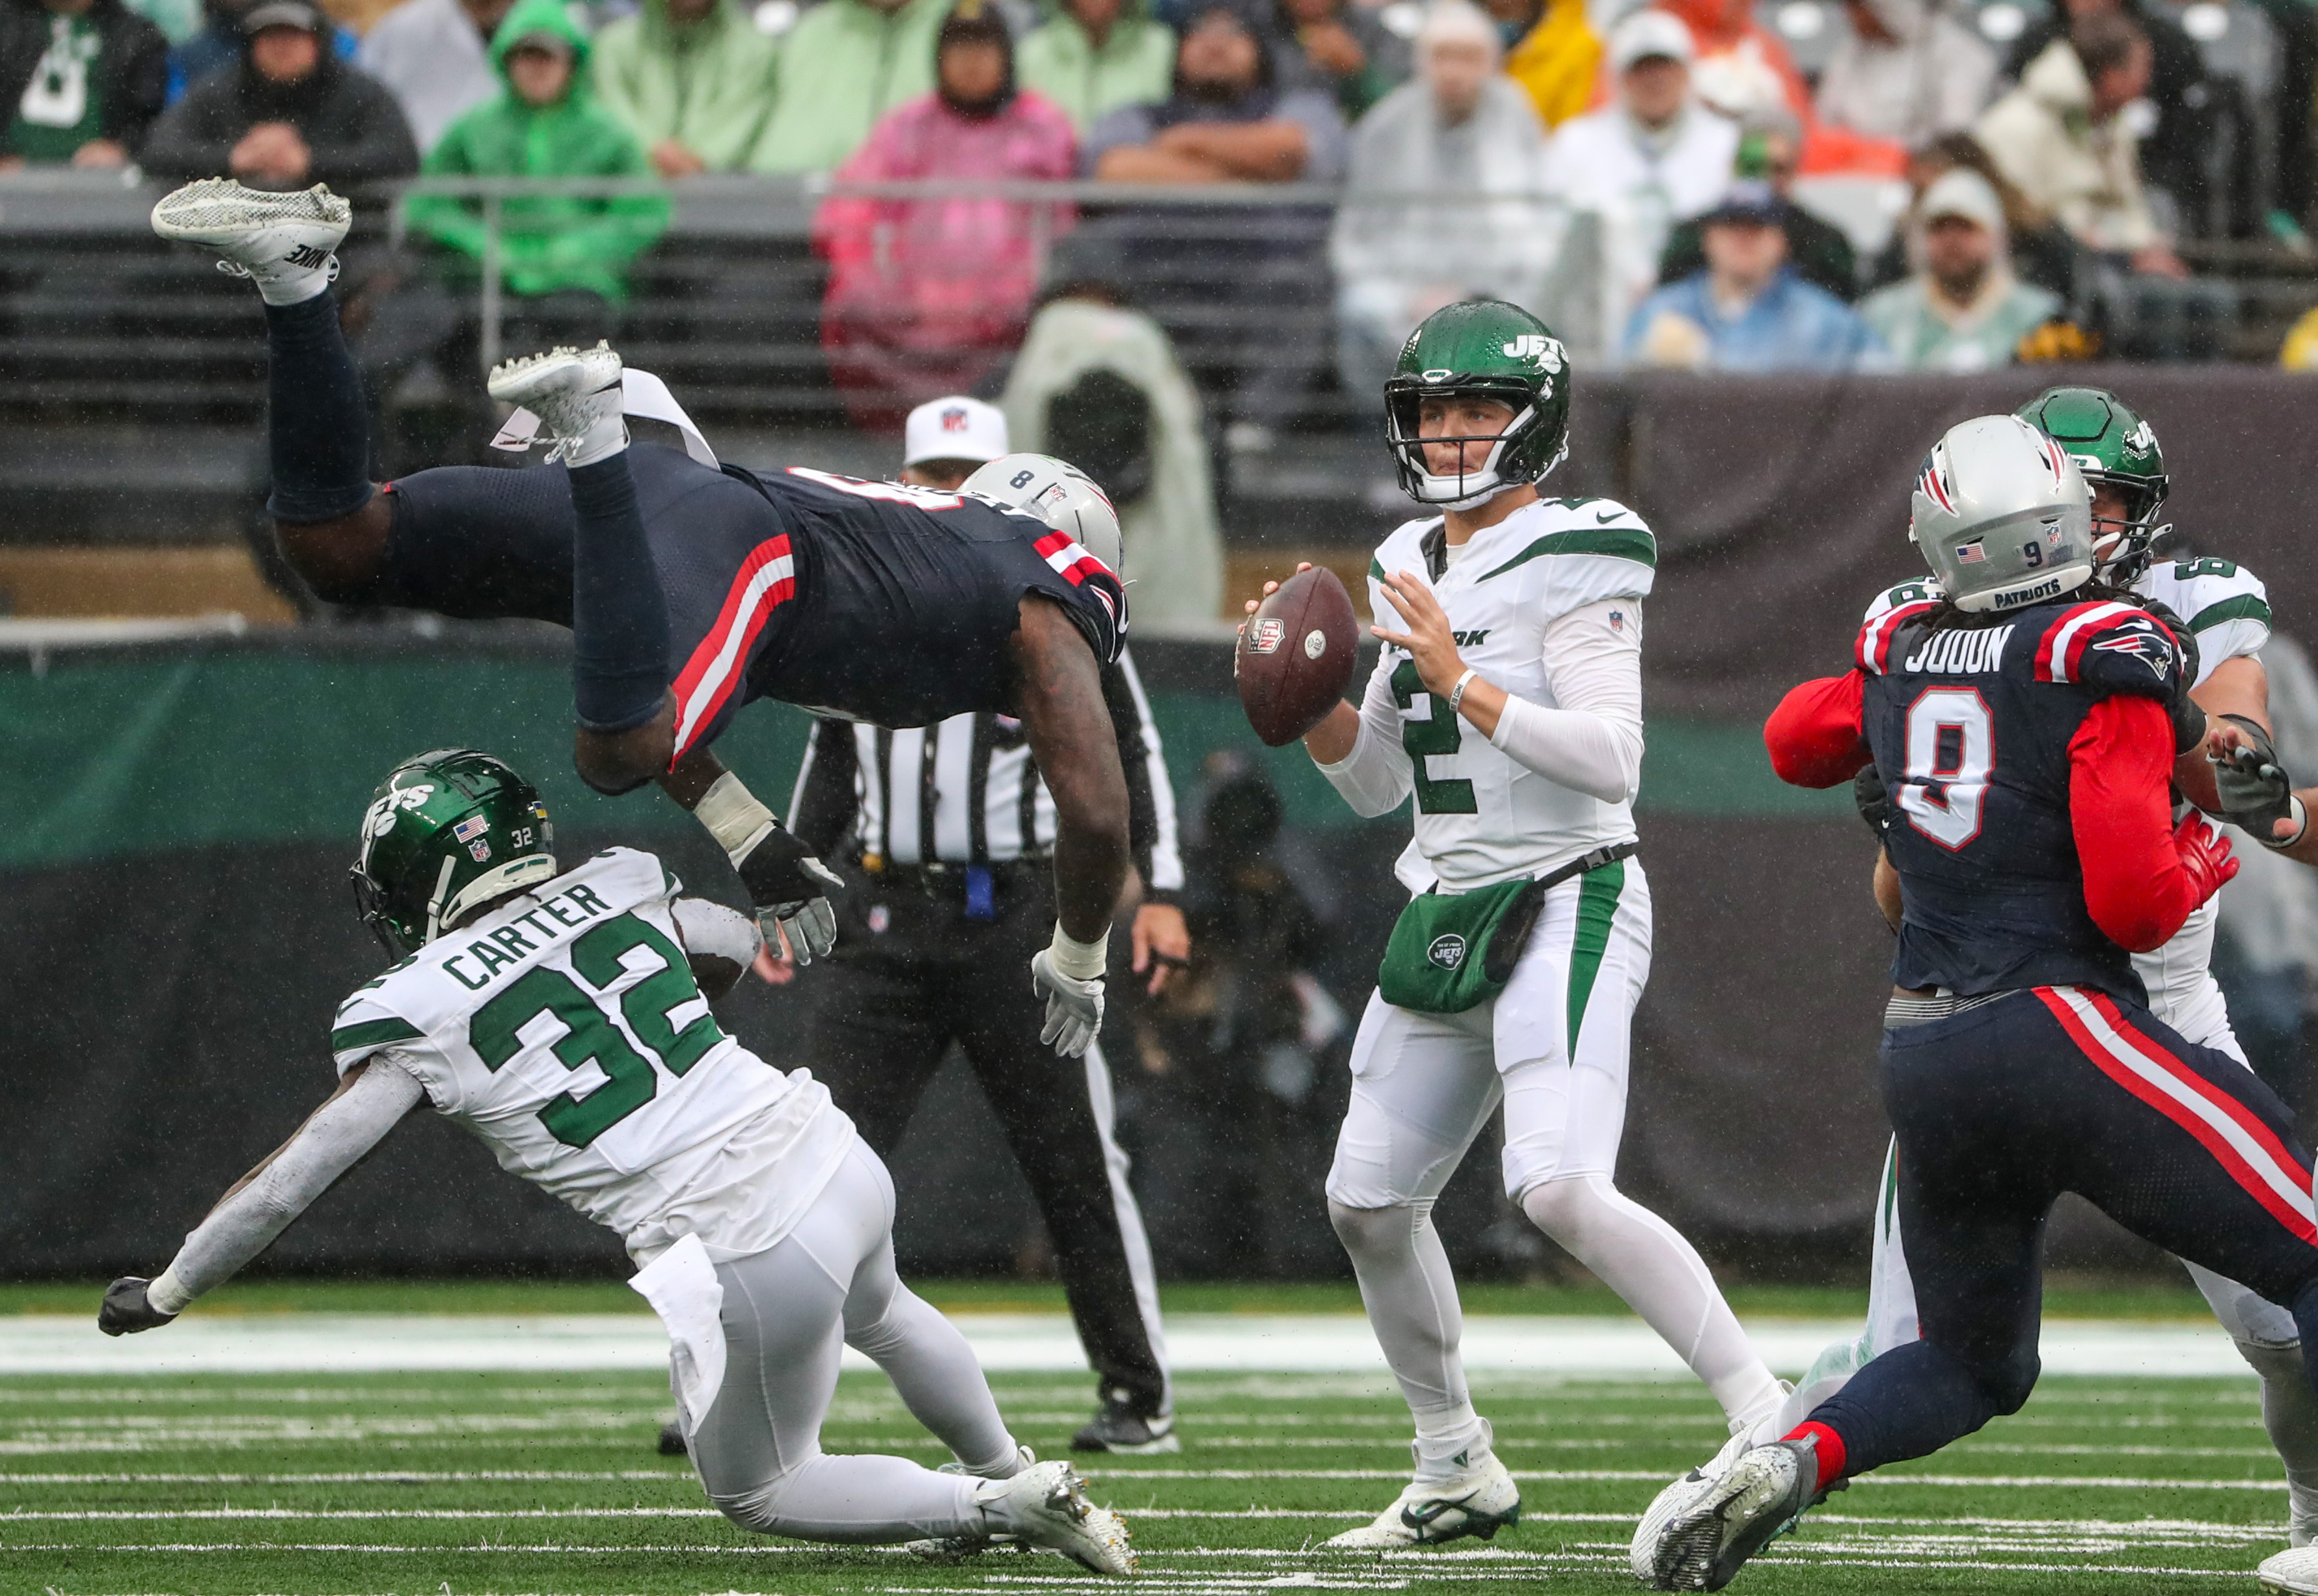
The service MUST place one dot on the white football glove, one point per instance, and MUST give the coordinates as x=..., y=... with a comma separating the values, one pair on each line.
x=1069, y=974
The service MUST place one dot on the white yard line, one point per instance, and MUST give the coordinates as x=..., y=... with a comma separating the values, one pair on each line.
x=1572, y=1346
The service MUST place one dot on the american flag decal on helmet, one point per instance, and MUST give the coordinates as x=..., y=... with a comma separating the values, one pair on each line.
x=1934, y=483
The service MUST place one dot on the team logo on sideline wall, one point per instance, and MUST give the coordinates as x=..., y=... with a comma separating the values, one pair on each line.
x=1447, y=950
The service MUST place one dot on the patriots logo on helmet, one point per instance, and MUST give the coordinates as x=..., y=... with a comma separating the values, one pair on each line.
x=2054, y=461
x=1934, y=483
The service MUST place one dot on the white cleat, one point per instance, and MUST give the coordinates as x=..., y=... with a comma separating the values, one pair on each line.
x=952, y=1548
x=2301, y=1515
x=1679, y=1497
x=280, y=242
x=1479, y=1502
x=2290, y=1574
x=576, y=395
x=1046, y=1505
x=1704, y=1539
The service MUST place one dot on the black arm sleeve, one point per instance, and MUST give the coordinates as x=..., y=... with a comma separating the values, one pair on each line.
x=822, y=809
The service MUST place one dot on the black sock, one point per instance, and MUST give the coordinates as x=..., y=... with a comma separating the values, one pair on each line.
x=619, y=617
x=1909, y=1402
x=318, y=428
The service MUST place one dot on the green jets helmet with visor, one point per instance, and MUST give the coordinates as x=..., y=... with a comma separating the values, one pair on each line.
x=448, y=832
x=1493, y=350
x=2114, y=448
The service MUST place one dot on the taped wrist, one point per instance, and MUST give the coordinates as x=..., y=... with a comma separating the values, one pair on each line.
x=619, y=616
x=733, y=817
x=1081, y=961
x=167, y=1295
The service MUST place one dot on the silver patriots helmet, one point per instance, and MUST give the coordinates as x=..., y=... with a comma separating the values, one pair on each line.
x=2002, y=515
x=1059, y=494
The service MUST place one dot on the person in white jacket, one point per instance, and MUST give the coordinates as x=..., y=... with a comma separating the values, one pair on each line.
x=1459, y=130
x=1656, y=158
x=434, y=57
x=1908, y=71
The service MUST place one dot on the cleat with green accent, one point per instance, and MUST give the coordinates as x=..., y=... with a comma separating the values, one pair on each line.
x=1714, y=1531
x=283, y=243
x=1480, y=1501
x=576, y=395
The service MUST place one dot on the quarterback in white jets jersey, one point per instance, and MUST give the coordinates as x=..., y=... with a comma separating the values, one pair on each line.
x=2226, y=609
x=1507, y=706
x=560, y=1016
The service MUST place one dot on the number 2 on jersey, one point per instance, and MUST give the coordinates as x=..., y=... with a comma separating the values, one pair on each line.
x=1439, y=735
x=589, y=1034
x=1951, y=753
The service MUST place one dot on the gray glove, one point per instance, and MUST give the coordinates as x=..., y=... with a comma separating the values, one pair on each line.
x=789, y=885
x=1073, y=1007
x=126, y=1311
x=2256, y=792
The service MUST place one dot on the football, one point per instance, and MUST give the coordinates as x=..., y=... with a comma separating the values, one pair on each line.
x=1296, y=656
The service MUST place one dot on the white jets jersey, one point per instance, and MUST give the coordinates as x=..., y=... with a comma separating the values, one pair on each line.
x=2227, y=609
x=1481, y=816
x=565, y=1030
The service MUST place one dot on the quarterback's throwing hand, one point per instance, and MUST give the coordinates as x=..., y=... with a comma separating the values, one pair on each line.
x=1428, y=639
x=126, y=1310
x=790, y=886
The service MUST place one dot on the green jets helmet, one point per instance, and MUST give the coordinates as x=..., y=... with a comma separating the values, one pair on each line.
x=448, y=832
x=2112, y=446
x=1497, y=351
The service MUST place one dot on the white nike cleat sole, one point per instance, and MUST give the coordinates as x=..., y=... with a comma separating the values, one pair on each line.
x=1430, y=1512
x=1758, y=1499
x=283, y=242
x=575, y=393
x=1678, y=1497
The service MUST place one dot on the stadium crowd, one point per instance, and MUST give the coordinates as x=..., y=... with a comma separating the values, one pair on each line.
x=1955, y=185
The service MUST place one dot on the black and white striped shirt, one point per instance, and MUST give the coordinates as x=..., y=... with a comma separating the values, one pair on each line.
x=967, y=791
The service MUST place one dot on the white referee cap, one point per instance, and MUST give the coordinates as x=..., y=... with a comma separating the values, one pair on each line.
x=955, y=428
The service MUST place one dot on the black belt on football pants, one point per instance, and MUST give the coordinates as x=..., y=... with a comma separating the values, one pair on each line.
x=882, y=1012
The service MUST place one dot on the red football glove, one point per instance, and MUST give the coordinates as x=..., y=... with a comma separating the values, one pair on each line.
x=2205, y=853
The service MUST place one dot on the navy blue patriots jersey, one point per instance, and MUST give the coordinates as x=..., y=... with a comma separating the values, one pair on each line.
x=1972, y=732
x=874, y=601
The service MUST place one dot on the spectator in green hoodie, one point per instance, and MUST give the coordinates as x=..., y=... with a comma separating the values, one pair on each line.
x=543, y=124
x=1092, y=57
x=563, y=259
x=846, y=63
x=692, y=79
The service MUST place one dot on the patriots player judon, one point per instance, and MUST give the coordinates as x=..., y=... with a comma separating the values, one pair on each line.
x=692, y=587
x=2222, y=611
x=2027, y=725
x=1507, y=702
x=562, y=1016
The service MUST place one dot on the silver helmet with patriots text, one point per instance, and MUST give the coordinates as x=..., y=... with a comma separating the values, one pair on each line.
x=1059, y=494
x=2002, y=515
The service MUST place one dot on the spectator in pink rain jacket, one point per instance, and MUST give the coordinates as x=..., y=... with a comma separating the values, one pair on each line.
x=925, y=295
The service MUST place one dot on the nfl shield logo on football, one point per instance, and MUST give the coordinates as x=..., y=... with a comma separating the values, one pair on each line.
x=1447, y=950
x=1269, y=634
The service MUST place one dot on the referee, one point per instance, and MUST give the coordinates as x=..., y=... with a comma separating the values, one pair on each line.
x=946, y=835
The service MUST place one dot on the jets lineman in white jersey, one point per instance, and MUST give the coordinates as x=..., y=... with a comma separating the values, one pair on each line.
x=559, y=1017
x=2227, y=611
x=1511, y=710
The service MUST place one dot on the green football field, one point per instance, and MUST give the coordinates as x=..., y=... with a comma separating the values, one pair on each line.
x=421, y=1484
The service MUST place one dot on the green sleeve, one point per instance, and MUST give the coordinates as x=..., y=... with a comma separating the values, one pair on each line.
x=738, y=102
x=450, y=222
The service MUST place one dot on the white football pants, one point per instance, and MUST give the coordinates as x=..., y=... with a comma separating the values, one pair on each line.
x=1553, y=1048
x=787, y=1313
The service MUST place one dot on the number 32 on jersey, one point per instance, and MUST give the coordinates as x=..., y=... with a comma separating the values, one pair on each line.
x=1950, y=754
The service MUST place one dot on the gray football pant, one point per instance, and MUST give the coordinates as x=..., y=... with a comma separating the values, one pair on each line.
x=788, y=1314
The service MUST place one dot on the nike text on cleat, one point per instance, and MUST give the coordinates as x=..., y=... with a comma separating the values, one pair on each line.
x=1479, y=1502
x=1712, y=1533
x=280, y=242
x=576, y=395
x=1046, y=1505
x=2290, y=1573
